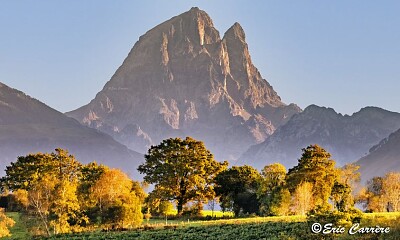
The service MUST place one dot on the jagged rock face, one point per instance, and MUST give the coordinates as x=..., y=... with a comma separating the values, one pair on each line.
x=346, y=137
x=29, y=126
x=382, y=158
x=182, y=79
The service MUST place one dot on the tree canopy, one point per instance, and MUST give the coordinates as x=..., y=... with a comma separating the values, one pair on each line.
x=272, y=193
x=237, y=189
x=316, y=167
x=23, y=173
x=182, y=170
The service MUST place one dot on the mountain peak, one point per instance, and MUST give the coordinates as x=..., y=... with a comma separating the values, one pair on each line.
x=196, y=14
x=202, y=22
x=194, y=9
x=181, y=78
x=236, y=31
x=371, y=109
x=319, y=109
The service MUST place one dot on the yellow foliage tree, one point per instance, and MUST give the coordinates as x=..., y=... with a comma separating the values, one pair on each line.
x=45, y=185
x=382, y=193
x=303, y=198
x=65, y=207
x=5, y=224
x=316, y=167
x=40, y=199
x=118, y=199
x=391, y=191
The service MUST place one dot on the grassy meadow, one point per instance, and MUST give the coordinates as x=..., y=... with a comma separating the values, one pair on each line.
x=283, y=227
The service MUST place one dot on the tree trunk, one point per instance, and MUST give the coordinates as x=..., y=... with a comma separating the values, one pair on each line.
x=181, y=198
x=44, y=220
x=180, y=206
x=236, y=210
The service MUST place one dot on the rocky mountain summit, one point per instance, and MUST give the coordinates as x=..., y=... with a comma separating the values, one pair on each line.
x=382, y=158
x=182, y=79
x=347, y=138
x=29, y=126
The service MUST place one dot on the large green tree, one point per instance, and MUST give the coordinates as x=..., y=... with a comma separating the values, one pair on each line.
x=273, y=196
x=316, y=167
x=182, y=170
x=237, y=189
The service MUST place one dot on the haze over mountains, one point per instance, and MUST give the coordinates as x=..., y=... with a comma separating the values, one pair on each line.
x=347, y=138
x=29, y=126
x=182, y=79
x=382, y=158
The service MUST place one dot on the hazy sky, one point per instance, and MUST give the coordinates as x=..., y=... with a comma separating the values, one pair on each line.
x=340, y=54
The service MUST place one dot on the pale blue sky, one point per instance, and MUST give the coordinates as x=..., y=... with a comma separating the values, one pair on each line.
x=340, y=54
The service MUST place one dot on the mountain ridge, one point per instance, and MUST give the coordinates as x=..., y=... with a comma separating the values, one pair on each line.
x=382, y=158
x=346, y=137
x=29, y=126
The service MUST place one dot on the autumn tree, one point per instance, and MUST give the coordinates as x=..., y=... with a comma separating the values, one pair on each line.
x=181, y=170
x=5, y=224
x=383, y=193
x=90, y=173
x=20, y=198
x=349, y=175
x=46, y=184
x=303, y=200
x=341, y=196
x=272, y=193
x=64, y=196
x=27, y=170
x=66, y=210
x=237, y=189
x=391, y=191
x=118, y=199
x=316, y=167
x=372, y=196
x=40, y=199
x=280, y=203
x=343, y=190
x=164, y=208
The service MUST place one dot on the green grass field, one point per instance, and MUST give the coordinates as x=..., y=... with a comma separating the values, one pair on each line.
x=288, y=227
x=19, y=230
